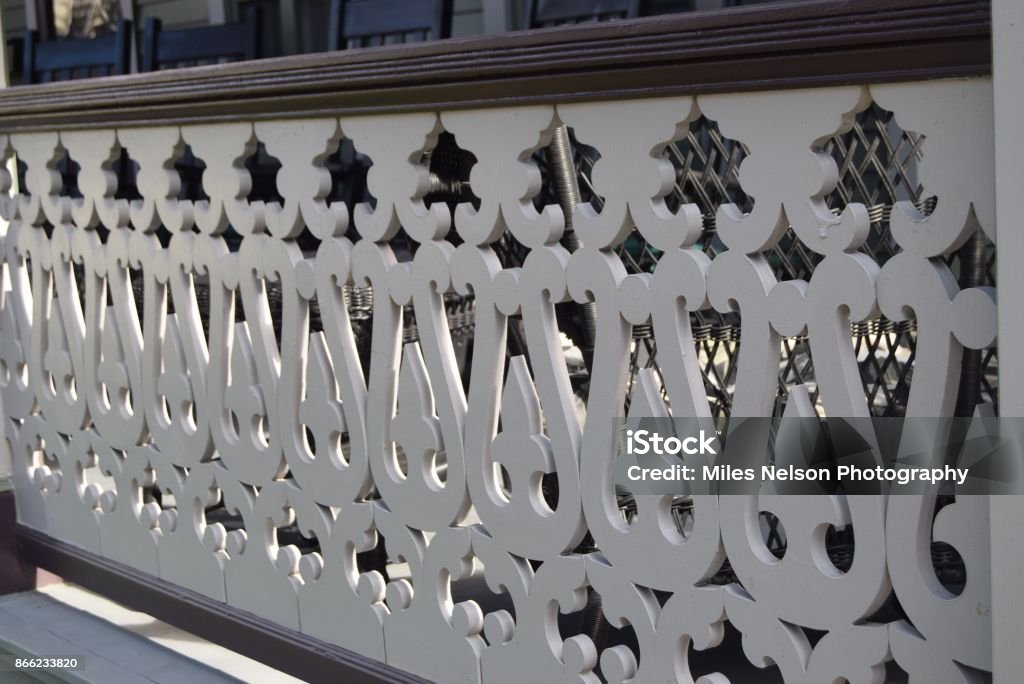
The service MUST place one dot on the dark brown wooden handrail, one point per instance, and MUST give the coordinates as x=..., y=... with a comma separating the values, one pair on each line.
x=801, y=44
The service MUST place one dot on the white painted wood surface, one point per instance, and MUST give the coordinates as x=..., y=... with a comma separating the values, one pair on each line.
x=1006, y=512
x=223, y=415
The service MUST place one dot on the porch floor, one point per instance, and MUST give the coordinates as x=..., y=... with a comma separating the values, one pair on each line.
x=116, y=645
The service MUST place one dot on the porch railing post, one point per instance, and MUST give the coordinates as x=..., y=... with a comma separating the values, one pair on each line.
x=1007, y=512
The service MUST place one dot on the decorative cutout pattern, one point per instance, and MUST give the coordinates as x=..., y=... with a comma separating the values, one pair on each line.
x=192, y=388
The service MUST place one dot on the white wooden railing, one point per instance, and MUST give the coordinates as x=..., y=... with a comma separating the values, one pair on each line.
x=127, y=424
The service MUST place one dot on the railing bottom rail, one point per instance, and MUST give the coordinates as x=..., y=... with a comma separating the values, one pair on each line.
x=297, y=654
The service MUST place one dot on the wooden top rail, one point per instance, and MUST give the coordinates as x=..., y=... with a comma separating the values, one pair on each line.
x=802, y=44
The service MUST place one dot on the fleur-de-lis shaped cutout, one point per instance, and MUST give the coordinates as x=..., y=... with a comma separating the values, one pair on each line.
x=155, y=150
x=112, y=371
x=842, y=289
x=244, y=398
x=173, y=383
x=505, y=178
x=96, y=152
x=521, y=447
x=18, y=393
x=41, y=153
x=949, y=159
x=797, y=197
x=303, y=181
x=415, y=427
x=57, y=358
x=948, y=319
x=646, y=403
x=285, y=558
x=653, y=550
x=224, y=148
x=12, y=356
x=635, y=198
x=47, y=479
x=321, y=411
x=775, y=583
x=397, y=179
x=528, y=646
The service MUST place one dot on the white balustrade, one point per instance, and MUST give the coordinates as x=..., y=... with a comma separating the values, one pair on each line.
x=281, y=425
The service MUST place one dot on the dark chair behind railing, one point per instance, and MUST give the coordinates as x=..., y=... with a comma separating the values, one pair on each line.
x=367, y=23
x=543, y=13
x=72, y=59
x=204, y=45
